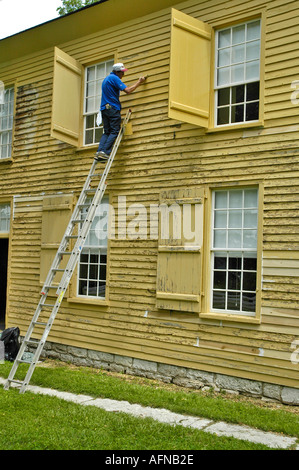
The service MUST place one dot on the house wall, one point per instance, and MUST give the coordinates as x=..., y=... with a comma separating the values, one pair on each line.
x=164, y=154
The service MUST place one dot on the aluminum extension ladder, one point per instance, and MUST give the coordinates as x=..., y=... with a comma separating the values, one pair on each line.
x=74, y=255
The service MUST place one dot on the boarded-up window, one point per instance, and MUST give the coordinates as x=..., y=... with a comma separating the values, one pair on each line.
x=189, y=87
x=179, y=274
x=66, y=104
x=56, y=215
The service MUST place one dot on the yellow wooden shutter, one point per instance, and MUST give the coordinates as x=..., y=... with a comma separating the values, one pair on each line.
x=179, y=271
x=190, y=62
x=66, y=105
x=55, y=217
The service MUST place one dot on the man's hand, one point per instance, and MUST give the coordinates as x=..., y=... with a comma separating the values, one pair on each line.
x=142, y=79
x=132, y=88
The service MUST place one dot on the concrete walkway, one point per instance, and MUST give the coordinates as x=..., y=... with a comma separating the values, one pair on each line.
x=246, y=433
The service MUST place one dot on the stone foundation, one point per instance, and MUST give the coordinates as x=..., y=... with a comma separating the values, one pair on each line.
x=181, y=376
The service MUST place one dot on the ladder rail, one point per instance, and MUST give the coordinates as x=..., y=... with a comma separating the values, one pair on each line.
x=75, y=253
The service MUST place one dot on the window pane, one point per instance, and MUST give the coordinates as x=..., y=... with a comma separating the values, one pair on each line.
x=219, y=300
x=224, y=38
x=235, y=199
x=101, y=71
x=219, y=262
x=220, y=280
x=220, y=219
x=89, y=137
x=235, y=219
x=235, y=263
x=253, y=70
x=224, y=57
x=91, y=74
x=250, y=198
x=250, y=239
x=238, y=94
x=223, y=76
x=252, y=91
x=250, y=219
x=249, y=281
x=248, y=302
x=237, y=73
x=223, y=116
x=224, y=96
x=234, y=280
x=90, y=121
x=234, y=239
x=237, y=113
x=238, y=34
x=253, y=50
x=238, y=54
x=91, y=89
x=221, y=200
x=252, y=112
x=220, y=239
x=233, y=300
x=253, y=30
x=250, y=263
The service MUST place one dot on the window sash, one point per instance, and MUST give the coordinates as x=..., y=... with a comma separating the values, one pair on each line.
x=234, y=251
x=4, y=218
x=6, y=123
x=94, y=76
x=237, y=59
x=92, y=266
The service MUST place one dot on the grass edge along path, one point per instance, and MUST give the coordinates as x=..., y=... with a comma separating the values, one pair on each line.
x=151, y=393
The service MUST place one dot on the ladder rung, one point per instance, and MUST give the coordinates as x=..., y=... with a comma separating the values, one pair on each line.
x=71, y=236
x=58, y=270
x=40, y=323
x=95, y=175
x=25, y=361
x=65, y=252
x=18, y=382
x=77, y=221
x=31, y=341
x=90, y=191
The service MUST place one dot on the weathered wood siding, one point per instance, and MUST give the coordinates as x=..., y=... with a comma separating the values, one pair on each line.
x=158, y=156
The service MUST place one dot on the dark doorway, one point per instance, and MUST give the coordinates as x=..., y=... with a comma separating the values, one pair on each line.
x=3, y=279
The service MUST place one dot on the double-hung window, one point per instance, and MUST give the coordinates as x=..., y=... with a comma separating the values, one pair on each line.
x=92, y=269
x=237, y=74
x=234, y=251
x=6, y=122
x=94, y=76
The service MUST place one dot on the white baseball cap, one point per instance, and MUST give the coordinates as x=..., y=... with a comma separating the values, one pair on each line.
x=119, y=68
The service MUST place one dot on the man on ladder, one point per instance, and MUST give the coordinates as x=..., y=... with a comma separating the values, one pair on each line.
x=111, y=107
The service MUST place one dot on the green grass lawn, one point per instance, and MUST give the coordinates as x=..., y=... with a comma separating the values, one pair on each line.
x=41, y=422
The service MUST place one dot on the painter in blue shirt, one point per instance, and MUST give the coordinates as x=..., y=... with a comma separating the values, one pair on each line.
x=111, y=107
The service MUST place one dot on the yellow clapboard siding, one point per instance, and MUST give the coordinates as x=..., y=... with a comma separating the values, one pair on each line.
x=164, y=154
